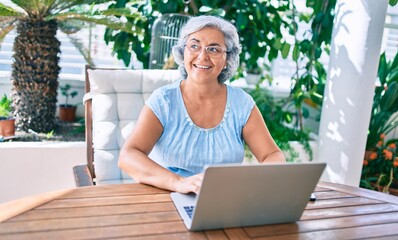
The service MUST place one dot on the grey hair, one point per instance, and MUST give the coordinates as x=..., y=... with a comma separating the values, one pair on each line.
x=231, y=41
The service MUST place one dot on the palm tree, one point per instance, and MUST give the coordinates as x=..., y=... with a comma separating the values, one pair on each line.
x=36, y=49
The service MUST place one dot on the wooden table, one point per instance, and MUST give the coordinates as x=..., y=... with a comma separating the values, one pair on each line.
x=142, y=212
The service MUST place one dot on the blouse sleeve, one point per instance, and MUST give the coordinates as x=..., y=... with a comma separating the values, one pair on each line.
x=247, y=106
x=158, y=104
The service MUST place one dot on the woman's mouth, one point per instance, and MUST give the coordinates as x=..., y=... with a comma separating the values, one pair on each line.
x=201, y=66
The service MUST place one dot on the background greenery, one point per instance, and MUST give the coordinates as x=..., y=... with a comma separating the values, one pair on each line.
x=380, y=165
x=5, y=107
x=385, y=102
x=264, y=27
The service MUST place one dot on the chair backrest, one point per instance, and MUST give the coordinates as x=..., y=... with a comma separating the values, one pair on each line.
x=113, y=101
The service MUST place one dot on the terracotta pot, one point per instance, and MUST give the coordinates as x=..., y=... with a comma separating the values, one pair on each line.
x=7, y=127
x=67, y=113
x=393, y=191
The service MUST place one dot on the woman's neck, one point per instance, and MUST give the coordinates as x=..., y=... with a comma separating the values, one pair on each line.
x=201, y=91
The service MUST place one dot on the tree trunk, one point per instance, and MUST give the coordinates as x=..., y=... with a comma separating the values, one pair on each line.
x=35, y=75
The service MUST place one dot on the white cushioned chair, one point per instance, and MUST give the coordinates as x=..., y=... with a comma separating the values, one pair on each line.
x=113, y=101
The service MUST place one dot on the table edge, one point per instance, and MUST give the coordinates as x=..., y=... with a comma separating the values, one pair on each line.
x=15, y=207
x=358, y=191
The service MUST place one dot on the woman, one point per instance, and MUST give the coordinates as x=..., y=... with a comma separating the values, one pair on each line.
x=198, y=120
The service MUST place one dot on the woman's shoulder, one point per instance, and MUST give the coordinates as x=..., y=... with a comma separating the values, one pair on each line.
x=168, y=90
x=238, y=93
x=163, y=101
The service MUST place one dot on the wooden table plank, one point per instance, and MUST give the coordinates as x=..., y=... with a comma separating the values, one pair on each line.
x=311, y=214
x=343, y=202
x=37, y=214
x=112, y=190
x=216, y=235
x=359, y=192
x=321, y=189
x=13, y=208
x=392, y=237
x=173, y=236
x=236, y=234
x=106, y=201
x=87, y=222
x=332, y=195
x=362, y=232
x=321, y=224
x=105, y=232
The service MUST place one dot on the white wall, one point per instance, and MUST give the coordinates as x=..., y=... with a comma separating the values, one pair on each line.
x=28, y=168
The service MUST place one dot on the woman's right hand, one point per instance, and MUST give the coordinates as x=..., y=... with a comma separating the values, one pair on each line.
x=189, y=184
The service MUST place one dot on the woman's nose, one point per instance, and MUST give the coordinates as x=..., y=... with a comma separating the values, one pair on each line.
x=203, y=54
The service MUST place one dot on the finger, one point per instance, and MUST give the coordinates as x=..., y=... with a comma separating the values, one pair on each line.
x=196, y=189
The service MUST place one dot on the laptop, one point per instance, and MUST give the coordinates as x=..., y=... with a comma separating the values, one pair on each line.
x=248, y=195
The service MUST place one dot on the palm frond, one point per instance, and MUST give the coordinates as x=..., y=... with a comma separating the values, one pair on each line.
x=110, y=22
x=46, y=6
x=27, y=6
x=6, y=20
x=122, y=12
x=5, y=28
x=49, y=2
x=6, y=11
x=70, y=26
x=61, y=5
x=35, y=8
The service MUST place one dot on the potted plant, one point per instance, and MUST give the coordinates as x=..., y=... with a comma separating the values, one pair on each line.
x=67, y=111
x=254, y=73
x=380, y=167
x=7, y=122
x=381, y=157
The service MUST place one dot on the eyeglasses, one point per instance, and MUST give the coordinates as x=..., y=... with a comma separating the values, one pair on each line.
x=212, y=51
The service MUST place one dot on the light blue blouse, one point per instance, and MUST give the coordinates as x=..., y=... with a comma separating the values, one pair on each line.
x=185, y=148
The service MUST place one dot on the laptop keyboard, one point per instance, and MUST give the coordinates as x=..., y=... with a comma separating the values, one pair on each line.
x=189, y=210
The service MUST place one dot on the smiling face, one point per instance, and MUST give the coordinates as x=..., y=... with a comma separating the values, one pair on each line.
x=201, y=66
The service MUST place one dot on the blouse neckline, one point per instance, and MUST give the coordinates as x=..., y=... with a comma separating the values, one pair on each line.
x=189, y=120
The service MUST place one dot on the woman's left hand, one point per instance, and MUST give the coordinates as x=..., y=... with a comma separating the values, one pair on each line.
x=189, y=184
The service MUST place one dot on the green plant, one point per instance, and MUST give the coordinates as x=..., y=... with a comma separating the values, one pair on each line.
x=384, y=117
x=278, y=119
x=310, y=75
x=50, y=134
x=36, y=49
x=65, y=92
x=5, y=108
x=260, y=24
x=380, y=166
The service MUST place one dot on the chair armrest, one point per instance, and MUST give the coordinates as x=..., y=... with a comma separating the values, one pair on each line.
x=82, y=176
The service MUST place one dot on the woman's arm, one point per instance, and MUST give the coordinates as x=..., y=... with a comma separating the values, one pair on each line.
x=134, y=158
x=260, y=141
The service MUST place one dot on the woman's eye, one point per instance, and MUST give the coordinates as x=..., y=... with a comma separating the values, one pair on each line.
x=194, y=46
x=214, y=49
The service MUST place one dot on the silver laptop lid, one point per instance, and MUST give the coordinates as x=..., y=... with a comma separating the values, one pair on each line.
x=248, y=195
